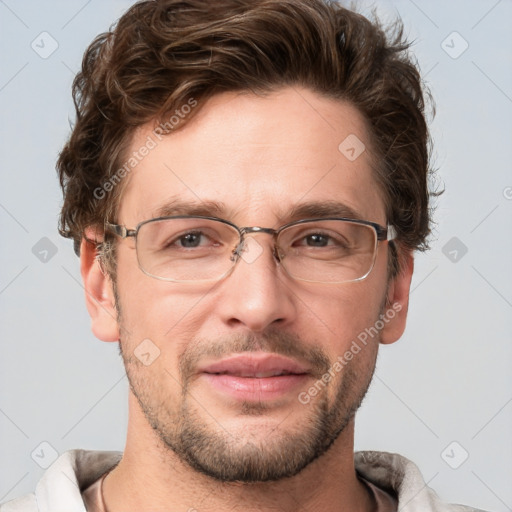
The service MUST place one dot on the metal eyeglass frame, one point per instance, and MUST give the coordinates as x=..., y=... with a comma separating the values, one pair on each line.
x=382, y=234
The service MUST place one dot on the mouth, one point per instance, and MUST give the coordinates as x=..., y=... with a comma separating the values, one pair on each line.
x=256, y=365
x=255, y=376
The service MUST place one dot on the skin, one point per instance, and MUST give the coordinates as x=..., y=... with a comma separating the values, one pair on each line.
x=259, y=156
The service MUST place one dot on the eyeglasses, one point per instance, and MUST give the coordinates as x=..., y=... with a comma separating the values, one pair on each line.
x=197, y=248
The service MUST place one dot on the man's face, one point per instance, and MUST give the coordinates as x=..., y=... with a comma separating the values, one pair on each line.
x=212, y=395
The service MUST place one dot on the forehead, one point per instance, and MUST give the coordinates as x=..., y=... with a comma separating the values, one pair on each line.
x=254, y=159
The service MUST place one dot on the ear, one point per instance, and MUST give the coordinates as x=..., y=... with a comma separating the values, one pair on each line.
x=397, y=304
x=99, y=293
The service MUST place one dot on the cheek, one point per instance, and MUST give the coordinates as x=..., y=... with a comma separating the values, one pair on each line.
x=338, y=315
x=347, y=318
x=156, y=310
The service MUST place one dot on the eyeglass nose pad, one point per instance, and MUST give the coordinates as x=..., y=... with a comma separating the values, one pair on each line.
x=237, y=251
x=278, y=254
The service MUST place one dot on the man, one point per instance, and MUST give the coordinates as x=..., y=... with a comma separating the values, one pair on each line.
x=245, y=184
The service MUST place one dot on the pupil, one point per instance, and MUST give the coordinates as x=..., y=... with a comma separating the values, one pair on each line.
x=317, y=240
x=191, y=240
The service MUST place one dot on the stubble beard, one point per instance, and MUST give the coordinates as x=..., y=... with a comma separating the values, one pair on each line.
x=197, y=438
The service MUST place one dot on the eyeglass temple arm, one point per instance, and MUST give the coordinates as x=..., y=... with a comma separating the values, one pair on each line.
x=389, y=234
x=120, y=231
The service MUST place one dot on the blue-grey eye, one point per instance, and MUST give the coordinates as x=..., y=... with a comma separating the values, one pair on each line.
x=191, y=240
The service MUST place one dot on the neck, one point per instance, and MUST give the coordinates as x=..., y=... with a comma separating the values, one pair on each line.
x=150, y=476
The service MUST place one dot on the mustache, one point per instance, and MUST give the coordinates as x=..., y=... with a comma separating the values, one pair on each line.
x=276, y=342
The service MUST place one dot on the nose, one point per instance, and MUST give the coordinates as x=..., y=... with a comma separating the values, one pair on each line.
x=257, y=294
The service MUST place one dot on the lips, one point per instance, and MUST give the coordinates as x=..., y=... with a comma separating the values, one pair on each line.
x=255, y=377
x=256, y=366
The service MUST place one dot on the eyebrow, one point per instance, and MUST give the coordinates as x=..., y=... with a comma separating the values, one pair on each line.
x=317, y=209
x=307, y=210
x=178, y=207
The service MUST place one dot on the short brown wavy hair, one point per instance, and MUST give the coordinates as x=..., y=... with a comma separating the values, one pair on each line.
x=162, y=53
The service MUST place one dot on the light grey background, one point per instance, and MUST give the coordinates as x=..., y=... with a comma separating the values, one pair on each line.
x=448, y=379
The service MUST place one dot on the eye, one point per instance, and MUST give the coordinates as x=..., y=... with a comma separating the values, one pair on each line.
x=192, y=239
x=320, y=239
x=186, y=237
x=317, y=240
